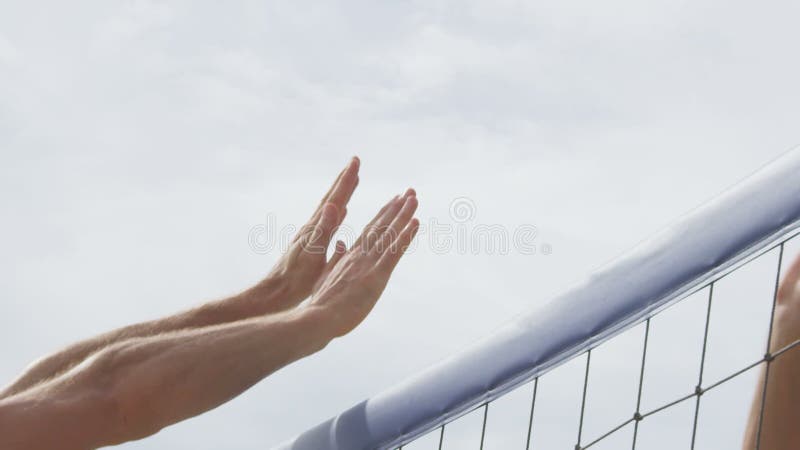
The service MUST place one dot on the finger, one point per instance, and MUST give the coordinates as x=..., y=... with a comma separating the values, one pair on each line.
x=372, y=231
x=323, y=231
x=330, y=190
x=355, y=185
x=341, y=190
x=344, y=189
x=374, y=220
x=390, y=215
x=400, y=221
x=379, y=216
x=390, y=258
x=385, y=217
x=346, y=173
x=308, y=228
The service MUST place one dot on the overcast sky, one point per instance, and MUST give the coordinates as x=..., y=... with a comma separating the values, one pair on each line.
x=142, y=141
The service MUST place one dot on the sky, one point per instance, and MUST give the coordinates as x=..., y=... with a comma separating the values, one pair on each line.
x=143, y=142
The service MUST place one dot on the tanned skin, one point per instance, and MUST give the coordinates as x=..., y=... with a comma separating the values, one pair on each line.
x=132, y=382
x=780, y=428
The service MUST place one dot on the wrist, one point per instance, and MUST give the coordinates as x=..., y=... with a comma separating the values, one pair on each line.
x=316, y=321
x=270, y=295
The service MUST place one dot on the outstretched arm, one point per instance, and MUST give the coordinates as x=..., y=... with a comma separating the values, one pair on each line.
x=286, y=286
x=134, y=388
x=781, y=410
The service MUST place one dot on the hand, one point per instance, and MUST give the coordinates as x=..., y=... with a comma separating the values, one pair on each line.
x=786, y=328
x=301, y=266
x=355, y=279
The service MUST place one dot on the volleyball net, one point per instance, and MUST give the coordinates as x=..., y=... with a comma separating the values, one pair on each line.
x=596, y=368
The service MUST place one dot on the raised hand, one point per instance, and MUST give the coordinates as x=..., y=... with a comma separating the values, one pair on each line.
x=355, y=278
x=300, y=268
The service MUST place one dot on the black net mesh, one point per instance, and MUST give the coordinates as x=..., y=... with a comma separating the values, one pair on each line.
x=625, y=433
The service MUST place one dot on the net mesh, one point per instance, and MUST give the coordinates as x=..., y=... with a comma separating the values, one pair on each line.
x=651, y=407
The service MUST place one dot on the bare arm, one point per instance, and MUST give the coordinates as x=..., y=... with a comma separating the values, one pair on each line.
x=251, y=303
x=134, y=388
x=286, y=286
x=779, y=426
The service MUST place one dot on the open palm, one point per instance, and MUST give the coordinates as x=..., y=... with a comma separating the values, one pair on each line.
x=355, y=278
x=304, y=263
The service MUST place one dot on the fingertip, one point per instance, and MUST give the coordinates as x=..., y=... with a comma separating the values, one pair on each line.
x=409, y=205
x=350, y=171
x=414, y=226
x=353, y=164
x=410, y=192
x=340, y=246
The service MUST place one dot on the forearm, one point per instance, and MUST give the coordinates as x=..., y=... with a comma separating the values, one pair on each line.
x=157, y=381
x=779, y=430
x=266, y=297
x=161, y=381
